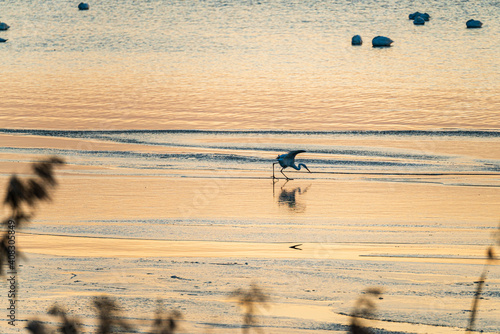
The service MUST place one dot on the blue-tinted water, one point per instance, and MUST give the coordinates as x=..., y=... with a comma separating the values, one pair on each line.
x=254, y=151
x=248, y=65
x=402, y=142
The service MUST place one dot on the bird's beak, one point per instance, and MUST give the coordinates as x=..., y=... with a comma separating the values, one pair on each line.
x=307, y=168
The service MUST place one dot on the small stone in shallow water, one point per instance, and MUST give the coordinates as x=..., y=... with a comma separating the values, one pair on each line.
x=83, y=6
x=414, y=15
x=419, y=21
x=474, y=24
x=356, y=40
x=381, y=41
x=425, y=16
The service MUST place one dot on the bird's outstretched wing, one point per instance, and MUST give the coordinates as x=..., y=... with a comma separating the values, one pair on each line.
x=289, y=158
x=292, y=154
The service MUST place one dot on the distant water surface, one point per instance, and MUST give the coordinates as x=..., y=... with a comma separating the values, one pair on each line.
x=248, y=65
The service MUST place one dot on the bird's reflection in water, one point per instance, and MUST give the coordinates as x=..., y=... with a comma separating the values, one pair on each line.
x=290, y=197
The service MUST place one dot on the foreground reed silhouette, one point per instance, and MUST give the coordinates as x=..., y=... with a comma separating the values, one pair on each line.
x=22, y=198
x=364, y=308
x=249, y=299
x=165, y=324
x=69, y=325
x=490, y=258
x=108, y=313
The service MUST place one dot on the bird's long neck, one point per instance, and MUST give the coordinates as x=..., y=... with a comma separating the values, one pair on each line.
x=299, y=166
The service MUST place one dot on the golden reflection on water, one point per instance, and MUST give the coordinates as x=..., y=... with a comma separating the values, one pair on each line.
x=291, y=197
x=105, y=99
x=205, y=65
x=247, y=65
x=104, y=187
x=341, y=200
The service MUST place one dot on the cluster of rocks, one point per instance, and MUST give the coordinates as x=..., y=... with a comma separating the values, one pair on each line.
x=418, y=19
x=378, y=41
x=5, y=26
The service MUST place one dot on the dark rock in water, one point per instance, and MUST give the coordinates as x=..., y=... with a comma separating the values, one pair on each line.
x=4, y=26
x=356, y=40
x=425, y=16
x=474, y=24
x=414, y=15
x=381, y=41
x=83, y=6
x=419, y=21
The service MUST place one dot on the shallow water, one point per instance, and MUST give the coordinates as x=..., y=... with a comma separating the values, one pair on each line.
x=216, y=185
x=248, y=65
x=409, y=211
x=403, y=144
x=401, y=152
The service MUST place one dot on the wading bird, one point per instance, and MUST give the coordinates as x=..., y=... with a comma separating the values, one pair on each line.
x=288, y=160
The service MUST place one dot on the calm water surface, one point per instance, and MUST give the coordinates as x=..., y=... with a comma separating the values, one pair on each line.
x=248, y=65
x=259, y=66
x=216, y=185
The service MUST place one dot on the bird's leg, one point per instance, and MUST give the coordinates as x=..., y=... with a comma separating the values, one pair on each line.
x=287, y=178
x=275, y=179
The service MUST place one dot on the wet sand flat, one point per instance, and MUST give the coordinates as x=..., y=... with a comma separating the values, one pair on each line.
x=225, y=231
x=141, y=222
x=109, y=247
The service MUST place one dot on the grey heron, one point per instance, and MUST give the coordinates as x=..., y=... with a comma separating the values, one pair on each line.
x=288, y=160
